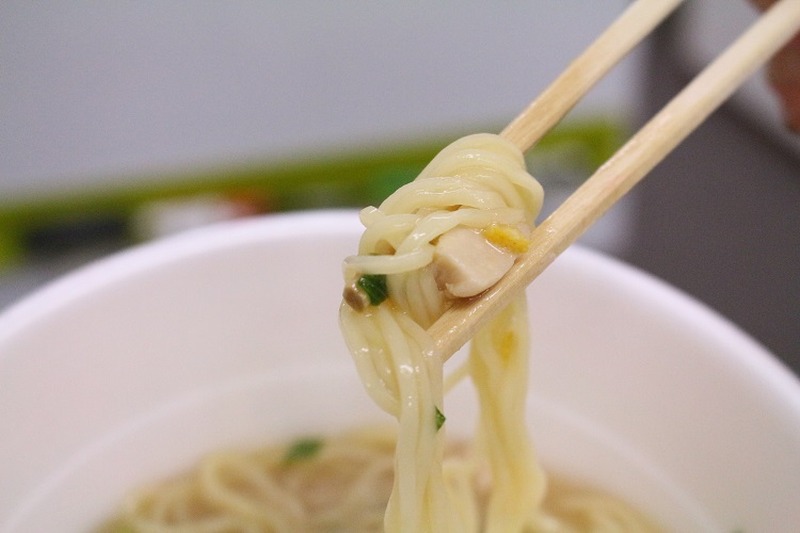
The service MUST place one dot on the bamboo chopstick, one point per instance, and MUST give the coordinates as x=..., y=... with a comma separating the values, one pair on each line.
x=621, y=172
x=633, y=25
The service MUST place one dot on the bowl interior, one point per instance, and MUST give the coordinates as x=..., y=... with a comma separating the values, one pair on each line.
x=132, y=368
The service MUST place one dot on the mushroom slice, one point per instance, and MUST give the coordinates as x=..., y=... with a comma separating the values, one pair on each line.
x=467, y=264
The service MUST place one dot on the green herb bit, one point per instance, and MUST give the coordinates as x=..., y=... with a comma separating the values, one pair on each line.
x=374, y=285
x=302, y=449
x=440, y=418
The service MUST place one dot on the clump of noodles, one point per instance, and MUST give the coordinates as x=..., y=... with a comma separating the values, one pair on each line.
x=478, y=182
x=478, y=188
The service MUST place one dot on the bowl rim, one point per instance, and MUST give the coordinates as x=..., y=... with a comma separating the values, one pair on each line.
x=98, y=274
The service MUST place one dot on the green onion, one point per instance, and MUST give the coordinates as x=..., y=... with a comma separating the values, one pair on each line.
x=374, y=285
x=440, y=418
x=302, y=449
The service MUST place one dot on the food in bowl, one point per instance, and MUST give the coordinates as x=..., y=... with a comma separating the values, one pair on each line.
x=335, y=483
x=171, y=337
x=449, y=235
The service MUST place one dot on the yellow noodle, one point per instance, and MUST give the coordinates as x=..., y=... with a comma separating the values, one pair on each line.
x=477, y=182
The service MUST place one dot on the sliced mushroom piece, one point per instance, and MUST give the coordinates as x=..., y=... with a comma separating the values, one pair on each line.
x=467, y=264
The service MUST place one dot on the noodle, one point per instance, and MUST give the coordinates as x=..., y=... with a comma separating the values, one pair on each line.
x=479, y=183
x=334, y=485
x=476, y=182
x=408, y=271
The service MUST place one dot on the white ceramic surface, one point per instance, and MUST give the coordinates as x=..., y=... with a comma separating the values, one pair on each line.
x=133, y=367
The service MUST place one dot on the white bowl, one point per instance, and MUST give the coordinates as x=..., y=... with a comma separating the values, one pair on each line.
x=133, y=367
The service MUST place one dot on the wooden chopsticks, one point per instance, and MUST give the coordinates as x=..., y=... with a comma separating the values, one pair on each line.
x=632, y=162
x=622, y=36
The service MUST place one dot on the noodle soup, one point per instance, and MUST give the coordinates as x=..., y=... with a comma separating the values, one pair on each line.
x=132, y=370
x=327, y=484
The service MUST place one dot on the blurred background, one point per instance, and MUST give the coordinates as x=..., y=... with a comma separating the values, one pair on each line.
x=128, y=121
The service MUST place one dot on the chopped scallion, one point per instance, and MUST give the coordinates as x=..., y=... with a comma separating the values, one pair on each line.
x=440, y=418
x=302, y=449
x=374, y=285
